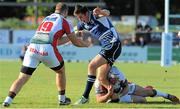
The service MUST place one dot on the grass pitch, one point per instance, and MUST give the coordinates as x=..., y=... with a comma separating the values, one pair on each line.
x=41, y=92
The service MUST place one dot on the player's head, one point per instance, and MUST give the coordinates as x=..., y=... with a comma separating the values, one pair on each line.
x=61, y=9
x=82, y=13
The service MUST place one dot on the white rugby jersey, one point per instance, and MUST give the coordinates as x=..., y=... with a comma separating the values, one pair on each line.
x=53, y=27
x=116, y=74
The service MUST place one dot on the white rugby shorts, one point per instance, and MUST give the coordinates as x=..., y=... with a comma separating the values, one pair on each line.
x=45, y=53
x=125, y=99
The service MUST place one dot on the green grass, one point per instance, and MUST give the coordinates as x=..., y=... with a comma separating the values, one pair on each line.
x=40, y=91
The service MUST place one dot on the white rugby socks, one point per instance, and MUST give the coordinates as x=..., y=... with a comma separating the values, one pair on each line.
x=61, y=98
x=8, y=100
x=161, y=94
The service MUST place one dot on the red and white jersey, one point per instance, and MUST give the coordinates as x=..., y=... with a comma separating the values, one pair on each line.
x=53, y=27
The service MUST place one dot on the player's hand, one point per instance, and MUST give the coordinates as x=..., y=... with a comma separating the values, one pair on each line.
x=97, y=11
x=110, y=90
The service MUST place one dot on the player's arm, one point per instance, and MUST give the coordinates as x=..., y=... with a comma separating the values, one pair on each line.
x=75, y=41
x=101, y=12
x=63, y=40
x=68, y=29
x=78, y=42
x=103, y=97
x=179, y=34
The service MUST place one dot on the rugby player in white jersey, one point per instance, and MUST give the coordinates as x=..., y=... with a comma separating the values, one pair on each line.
x=43, y=49
x=135, y=93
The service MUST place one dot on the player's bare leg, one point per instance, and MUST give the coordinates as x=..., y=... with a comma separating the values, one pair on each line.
x=61, y=79
x=145, y=92
x=170, y=97
x=138, y=99
x=92, y=67
x=15, y=88
x=61, y=86
x=150, y=92
x=102, y=74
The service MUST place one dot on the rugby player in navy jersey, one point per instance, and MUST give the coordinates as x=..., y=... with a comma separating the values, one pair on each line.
x=101, y=29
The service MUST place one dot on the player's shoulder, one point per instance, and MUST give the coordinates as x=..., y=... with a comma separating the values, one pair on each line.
x=67, y=22
x=55, y=15
x=52, y=17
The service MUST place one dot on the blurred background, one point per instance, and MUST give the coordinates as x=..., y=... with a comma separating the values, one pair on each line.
x=140, y=24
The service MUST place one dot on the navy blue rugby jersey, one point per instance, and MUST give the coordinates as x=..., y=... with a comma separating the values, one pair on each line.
x=101, y=29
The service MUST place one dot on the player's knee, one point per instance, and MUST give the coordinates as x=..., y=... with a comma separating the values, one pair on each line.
x=148, y=92
x=142, y=100
x=101, y=78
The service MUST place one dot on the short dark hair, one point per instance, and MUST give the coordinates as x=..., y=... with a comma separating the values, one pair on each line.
x=79, y=9
x=61, y=7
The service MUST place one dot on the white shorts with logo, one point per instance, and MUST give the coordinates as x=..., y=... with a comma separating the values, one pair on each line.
x=45, y=53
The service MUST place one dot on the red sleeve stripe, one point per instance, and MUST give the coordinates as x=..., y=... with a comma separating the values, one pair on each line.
x=66, y=26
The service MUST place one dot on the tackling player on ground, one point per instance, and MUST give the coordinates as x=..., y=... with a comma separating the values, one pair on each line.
x=135, y=93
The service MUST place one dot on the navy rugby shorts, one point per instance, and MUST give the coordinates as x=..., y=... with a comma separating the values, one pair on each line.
x=112, y=52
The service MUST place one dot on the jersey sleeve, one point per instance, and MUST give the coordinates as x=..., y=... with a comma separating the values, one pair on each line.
x=67, y=27
x=80, y=26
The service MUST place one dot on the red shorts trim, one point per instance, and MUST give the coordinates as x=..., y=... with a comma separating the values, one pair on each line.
x=58, y=55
